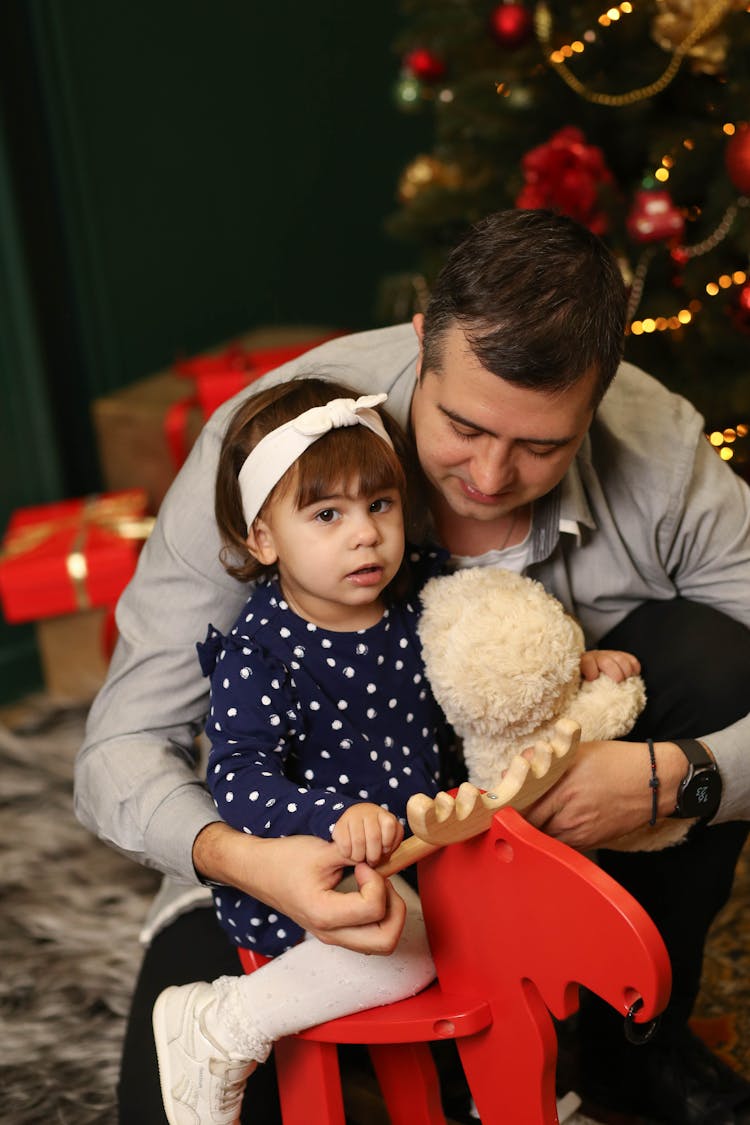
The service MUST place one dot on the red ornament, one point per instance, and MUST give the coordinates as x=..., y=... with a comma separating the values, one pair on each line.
x=654, y=217
x=511, y=24
x=737, y=158
x=565, y=174
x=739, y=312
x=424, y=65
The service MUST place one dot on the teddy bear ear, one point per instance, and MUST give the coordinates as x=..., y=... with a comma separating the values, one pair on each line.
x=500, y=652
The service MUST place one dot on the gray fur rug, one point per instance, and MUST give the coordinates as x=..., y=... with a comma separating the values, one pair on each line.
x=71, y=911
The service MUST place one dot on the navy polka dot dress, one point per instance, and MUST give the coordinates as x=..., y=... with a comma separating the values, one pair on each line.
x=304, y=723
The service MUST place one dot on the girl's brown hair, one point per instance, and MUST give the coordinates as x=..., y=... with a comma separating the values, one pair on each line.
x=348, y=453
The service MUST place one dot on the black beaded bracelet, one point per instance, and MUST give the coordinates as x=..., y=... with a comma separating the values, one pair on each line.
x=653, y=782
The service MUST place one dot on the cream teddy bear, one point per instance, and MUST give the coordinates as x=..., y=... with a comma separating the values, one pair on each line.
x=504, y=661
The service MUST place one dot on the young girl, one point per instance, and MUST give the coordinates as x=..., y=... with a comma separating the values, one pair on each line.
x=321, y=721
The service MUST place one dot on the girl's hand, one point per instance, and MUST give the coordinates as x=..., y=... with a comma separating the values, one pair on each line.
x=617, y=665
x=299, y=876
x=365, y=833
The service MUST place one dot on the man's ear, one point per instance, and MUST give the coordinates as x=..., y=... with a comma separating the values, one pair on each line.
x=260, y=543
x=418, y=324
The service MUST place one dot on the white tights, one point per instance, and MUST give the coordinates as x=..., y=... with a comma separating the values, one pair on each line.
x=314, y=982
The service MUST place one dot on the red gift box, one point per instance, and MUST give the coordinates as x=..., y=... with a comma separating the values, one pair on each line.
x=72, y=555
x=218, y=377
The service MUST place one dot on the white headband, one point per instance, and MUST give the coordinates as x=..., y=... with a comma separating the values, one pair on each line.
x=276, y=452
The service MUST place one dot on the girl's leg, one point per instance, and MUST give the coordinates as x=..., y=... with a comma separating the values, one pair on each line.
x=210, y=1037
x=314, y=982
x=193, y=947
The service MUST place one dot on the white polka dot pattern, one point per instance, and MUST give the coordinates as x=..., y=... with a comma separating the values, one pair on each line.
x=306, y=723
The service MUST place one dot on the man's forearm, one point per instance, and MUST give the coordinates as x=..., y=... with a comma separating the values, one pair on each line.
x=214, y=853
x=252, y=864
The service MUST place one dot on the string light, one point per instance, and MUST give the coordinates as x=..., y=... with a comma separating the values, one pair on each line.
x=649, y=324
x=662, y=172
x=543, y=26
x=723, y=440
x=713, y=288
x=611, y=16
x=685, y=316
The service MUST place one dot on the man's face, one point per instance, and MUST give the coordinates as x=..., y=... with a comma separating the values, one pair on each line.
x=485, y=445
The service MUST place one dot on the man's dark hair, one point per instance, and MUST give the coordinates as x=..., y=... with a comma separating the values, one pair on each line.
x=540, y=299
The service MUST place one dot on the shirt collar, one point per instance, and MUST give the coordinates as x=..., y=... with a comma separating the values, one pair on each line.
x=564, y=510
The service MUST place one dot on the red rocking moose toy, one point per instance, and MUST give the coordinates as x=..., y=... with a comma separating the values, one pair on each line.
x=516, y=922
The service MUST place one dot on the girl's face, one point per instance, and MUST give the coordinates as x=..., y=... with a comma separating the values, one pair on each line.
x=334, y=557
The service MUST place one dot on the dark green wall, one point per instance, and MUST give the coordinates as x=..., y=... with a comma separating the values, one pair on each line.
x=176, y=172
x=25, y=421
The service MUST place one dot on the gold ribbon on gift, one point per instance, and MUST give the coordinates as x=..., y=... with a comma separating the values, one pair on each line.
x=108, y=513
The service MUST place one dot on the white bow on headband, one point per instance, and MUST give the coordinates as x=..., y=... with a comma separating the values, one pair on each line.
x=276, y=452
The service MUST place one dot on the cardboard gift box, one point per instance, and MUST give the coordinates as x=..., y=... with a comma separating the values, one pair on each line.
x=145, y=430
x=72, y=555
x=130, y=434
x=74, y=651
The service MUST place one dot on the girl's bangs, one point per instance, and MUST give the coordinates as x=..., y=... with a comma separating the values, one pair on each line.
x=346, y=456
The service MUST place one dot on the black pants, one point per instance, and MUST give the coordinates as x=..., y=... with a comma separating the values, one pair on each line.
x=695, y=663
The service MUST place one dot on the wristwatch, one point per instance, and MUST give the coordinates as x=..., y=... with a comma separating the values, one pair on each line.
x=700, y=789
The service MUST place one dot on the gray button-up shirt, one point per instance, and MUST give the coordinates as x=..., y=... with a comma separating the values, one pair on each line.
x=646, y=511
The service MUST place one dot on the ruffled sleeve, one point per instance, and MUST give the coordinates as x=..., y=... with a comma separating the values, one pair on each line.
x=209, y=650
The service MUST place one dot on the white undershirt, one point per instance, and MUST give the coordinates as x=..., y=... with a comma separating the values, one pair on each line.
x=513, y=558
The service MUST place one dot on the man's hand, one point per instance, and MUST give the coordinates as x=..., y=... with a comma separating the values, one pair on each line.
x=298, y=875
x=366, y=833
x=606, y=793
x=610, y=662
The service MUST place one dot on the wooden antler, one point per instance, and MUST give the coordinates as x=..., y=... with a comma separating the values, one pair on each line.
x=440, y=820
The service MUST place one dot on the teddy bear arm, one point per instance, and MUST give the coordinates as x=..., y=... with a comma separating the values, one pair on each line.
x=605, y=709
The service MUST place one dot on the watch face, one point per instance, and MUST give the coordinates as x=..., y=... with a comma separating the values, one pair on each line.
x=701, y=795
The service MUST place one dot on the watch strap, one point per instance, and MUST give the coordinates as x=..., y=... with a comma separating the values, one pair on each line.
x=695, y=752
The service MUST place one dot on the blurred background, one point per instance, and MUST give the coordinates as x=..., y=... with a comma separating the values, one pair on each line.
x=178, y=178
x=174, y=174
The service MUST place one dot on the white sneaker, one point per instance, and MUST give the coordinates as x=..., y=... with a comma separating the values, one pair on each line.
x=202, y=1083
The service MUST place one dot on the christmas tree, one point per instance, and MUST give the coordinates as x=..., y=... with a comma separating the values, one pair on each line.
x=631, y=119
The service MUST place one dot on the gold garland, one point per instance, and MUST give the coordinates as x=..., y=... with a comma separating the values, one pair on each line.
x=543, y=25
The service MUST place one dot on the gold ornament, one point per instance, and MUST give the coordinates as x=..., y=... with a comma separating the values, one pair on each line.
x=673, y=24
x=426, y=172
x=707, y=15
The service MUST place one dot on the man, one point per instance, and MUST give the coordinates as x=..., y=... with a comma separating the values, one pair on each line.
x=611, y=497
